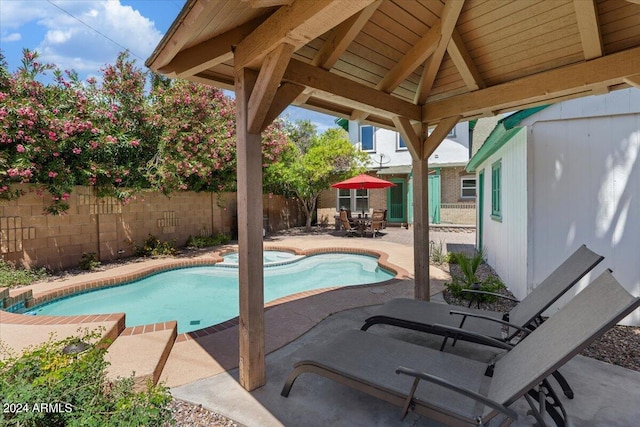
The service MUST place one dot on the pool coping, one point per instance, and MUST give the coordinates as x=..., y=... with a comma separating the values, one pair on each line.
x=171, y=264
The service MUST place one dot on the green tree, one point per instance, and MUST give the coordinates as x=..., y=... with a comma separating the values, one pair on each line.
x=305, y=170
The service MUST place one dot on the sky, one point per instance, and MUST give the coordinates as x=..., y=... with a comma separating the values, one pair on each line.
x=85, y=35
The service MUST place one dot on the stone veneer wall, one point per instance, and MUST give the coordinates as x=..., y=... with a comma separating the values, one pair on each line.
x=106, y=226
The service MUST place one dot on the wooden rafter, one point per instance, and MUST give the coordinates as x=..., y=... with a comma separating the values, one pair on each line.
x=257, y=4
x=342, y=36
x=358, y=115
x=633, y=80
x=296, y=25
x=411, y=60
x=267, y=84
x=464, y=63
x=450, y=14
x=538, y=88
x=208, y=53
x=438, y=135
x=410, y=136
x=307, y=75
x=587, y=16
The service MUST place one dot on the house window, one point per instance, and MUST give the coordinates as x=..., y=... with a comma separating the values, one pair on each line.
x=496, y=183
x=362, y=200
x=354, y=200
x=366, y=138
x=468, y=187
x=401, y=144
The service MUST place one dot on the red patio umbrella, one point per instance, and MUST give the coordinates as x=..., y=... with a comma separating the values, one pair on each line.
x=362, y=182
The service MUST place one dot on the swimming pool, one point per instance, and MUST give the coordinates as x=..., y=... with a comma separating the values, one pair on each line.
x=198, y=297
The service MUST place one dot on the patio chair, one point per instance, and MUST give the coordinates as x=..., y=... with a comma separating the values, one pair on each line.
x=488, y=327
x=346, y=224
x=454, y=390
x=375, y=225
x=384, y=216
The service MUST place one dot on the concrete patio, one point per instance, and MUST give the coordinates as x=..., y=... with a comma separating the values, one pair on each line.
x=203, y=368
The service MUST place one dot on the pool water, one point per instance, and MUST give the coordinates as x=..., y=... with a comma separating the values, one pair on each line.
x=198, y=297
x=268, y=257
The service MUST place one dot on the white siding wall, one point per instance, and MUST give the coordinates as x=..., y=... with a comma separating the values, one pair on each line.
x=586, y=189
x=506, y=241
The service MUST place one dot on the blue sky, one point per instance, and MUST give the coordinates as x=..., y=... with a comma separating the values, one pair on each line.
x=84, y=35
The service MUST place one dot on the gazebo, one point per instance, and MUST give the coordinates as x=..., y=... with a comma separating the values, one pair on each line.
x=417, y=66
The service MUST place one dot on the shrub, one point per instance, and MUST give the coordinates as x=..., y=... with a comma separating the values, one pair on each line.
x=206, y=241
x=89, y=261
x=469, y=280
x=75, y=389
x=153, y=246
x=436, y=252
x=12, y=276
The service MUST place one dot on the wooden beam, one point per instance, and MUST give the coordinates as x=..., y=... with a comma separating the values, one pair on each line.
x=250, y=269
x=286, y=94
x=422, y=286
x=411, y=60
x=358, y=115
x=307, y=75
x=464, y=63
x=342, y=36
x=608, y=70
x=296, y=25
x=267, y=84
x=208, y=53
x=450, y=14
x=633, y=80
x=410, y=136
x=587, y=16
x=438, y=135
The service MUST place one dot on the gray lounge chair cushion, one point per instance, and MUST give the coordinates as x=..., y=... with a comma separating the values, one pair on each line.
x=372, y=359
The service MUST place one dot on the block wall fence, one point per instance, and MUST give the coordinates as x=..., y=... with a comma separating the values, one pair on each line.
x=107, y=227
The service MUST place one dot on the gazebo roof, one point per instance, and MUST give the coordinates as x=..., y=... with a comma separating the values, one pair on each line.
x=423, y=60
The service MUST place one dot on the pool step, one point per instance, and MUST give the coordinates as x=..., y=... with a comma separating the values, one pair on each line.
x=141, y=351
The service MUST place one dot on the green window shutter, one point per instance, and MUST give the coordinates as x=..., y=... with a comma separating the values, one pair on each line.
x=496, y=208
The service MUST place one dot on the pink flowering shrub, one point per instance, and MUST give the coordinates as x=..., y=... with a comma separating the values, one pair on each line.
x=116, y=136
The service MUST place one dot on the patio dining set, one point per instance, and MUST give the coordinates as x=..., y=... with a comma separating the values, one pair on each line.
x=363, y=225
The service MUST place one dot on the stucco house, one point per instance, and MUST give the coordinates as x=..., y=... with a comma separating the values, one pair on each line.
x=452, y=190
x=552, y=178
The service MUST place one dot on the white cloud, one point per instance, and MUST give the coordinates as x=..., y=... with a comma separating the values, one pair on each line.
x=13, y=37
x=84, y=36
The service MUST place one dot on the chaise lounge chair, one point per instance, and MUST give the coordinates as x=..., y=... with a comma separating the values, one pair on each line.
x=488, y=327
x=422, y=315
x=457, y=391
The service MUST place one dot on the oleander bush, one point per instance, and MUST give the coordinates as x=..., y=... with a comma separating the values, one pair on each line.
x=44, y=387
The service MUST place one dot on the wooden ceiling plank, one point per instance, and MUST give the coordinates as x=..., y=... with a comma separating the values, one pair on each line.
x=411, y=60
x=438, y=135
x=342, y=36
x=317, y=78
x=633, y=80
x=450, y=15
x=286, y=94
x=587, y=16
x=297, y=24
x=209, y=53
x=409, y=135
x=257, y=4
x=269, y=78
x=569, y=79
x=464, y=63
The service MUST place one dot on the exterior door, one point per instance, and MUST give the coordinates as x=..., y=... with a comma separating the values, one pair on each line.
x=434, y=198
x=397, y=201
x=480, y=206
